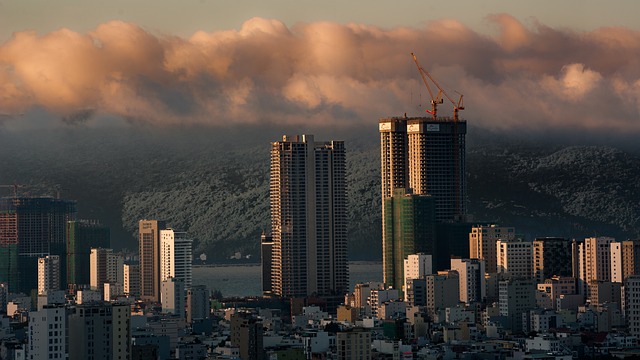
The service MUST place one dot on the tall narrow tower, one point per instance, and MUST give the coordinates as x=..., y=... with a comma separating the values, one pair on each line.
x=427, y=156
x=308, y=217
x=149, y=246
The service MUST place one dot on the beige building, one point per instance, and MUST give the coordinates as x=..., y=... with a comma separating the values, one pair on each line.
x=517, y=296
x=514, y=257
x=353, y=344
x=308, y=217
x=594, y=262
x=472, y=283
x=483, y=243
x=557, y=286
x=176, y=256
x=442, y=291
x=131, y=284
x=48, y=274
x=625, y=259
x=149, y=254
x=416, y=266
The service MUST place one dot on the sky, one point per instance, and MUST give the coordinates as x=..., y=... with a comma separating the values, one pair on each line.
x=519, y=64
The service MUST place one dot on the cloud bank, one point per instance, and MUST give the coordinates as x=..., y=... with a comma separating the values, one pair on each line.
x=529, y=76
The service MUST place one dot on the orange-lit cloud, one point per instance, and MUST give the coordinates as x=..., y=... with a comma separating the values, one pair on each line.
x=327, y=73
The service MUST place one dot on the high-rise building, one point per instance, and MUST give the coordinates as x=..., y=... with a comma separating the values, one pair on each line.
x=516, y=297
x=409, y=229
x=308, y=217
x=551, y=257
x=266, y=256
x=172, y=298
x=105, y=266
x=428, y=157
x=442, y=291
x=472, y=282
x=48, y=274
x=514, y=257
x=483, y=240
x=149, y=246
x=121, y=331
x=176, y=256
x=31, y=228
x=90, y=330
x=131, y=279
x=632, y=304
x=82, y=235
x=198, y=303
x=594, y=259
x=625, y=259
x=48, y=333
x=416, y=266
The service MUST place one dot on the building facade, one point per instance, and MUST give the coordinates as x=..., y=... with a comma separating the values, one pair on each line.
x=149, y=257
x=176, y=256
x=483, y=243
x=48, y=274
x=82, y=235
x=594, y=262
x=514, y=257
x=31, y=228
x=472, y=282
x=416, y=266
x=308, y=217
x=409, y=229
x=551, y=257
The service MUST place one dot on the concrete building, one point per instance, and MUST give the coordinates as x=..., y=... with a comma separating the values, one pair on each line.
x=48, y=274
x=514, y=257
x=483, y=243
x=471, y=277
x=91, y=331
x=31, y=228
x=409, y=229
x=632, y=304
x=198, y=303
x=353, y=344
x=266, y=257
x=105, y=266
x=604, y=292
x=48, y=333
x=308, y=218
x=551, y=257
x=625, y=259
x=557, y=286
x=149, y=257
x=176, y=256
x=428, y=156
x=172, y=297
x=594, y=262
x=82, y=236
x=131, y=276
x=247, y=334
x=442, y=291
x=517, y=296
x=416, y=266
x=362, y=295
x=121, y=333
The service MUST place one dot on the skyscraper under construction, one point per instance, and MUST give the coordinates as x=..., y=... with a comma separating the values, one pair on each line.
x=31, y=228
x=426, y=155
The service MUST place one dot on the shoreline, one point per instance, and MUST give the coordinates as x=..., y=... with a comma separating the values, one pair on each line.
x=250, y=264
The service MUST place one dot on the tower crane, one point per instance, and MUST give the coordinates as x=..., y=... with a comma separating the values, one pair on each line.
x=457, y=105
x=435, y=100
